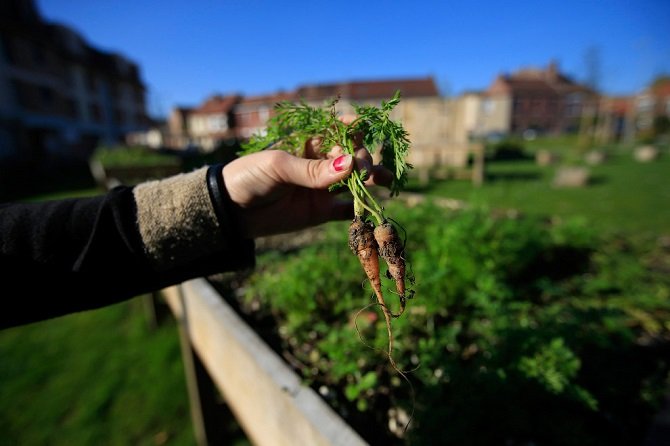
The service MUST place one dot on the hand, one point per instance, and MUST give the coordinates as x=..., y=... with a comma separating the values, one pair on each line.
x=277, y=192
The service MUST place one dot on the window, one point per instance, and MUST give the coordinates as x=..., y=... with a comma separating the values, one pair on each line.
x=489, y=107
x=645, y=103
x=573, y=104
x=47, y=98
x=71, y=108
x=38, y=55
x=218, y=123
x=263, y=113
x=96, y=112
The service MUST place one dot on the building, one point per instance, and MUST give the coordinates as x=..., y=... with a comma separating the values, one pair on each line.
x=652, y=107
x=539, y=100
x=251, y=113
x=178, y=127
x=213, y=121
x=59, y=96
x=422, y=111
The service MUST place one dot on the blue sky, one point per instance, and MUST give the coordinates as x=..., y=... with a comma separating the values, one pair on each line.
x=188, y=50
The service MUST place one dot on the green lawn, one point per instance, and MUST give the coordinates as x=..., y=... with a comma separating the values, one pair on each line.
x=98, y=377
x=623, y=195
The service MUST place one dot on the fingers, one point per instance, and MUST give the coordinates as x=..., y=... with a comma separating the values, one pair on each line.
x=311, y=173
x=375, y=175
x=320, y=176
x=379, y=176
x=313, y=147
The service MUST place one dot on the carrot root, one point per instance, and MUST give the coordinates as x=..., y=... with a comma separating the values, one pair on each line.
x=391, y=249
x=368, y=243
x=362, y=243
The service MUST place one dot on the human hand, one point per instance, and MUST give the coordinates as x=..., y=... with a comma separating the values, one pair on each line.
x=277, y=192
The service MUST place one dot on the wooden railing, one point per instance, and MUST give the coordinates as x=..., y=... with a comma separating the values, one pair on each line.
x=222, y=353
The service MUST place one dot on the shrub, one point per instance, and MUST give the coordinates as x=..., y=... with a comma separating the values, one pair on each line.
x=507, y=149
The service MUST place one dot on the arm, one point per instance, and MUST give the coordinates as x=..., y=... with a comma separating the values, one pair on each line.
x=73, y=255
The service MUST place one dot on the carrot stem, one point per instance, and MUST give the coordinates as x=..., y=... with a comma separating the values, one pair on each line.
x=361, y=205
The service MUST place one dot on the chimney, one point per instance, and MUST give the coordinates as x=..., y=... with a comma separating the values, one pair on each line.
x=552, y=71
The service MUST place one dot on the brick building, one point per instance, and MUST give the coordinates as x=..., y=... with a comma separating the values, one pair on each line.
x=543, y=100
x=653, y=103
x=213, y=121
x=60, y=96
x=252, y=113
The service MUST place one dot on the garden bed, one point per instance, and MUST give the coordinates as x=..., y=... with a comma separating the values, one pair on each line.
x=522, y=331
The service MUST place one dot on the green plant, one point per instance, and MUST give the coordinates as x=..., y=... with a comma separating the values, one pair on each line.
x=132, y=156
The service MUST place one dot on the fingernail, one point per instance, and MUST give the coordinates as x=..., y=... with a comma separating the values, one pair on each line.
x=342, y=163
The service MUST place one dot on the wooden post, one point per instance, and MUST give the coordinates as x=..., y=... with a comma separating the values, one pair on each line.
x=478, y=167
x=149, y=309
x=208, y=426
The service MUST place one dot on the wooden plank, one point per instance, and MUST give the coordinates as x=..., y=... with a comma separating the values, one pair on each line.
x=266, y=396
x=208, y=427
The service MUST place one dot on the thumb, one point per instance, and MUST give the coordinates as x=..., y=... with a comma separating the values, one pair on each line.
x=316, y=173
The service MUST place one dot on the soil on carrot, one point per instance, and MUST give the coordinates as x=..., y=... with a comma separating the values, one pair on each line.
x=392, y=250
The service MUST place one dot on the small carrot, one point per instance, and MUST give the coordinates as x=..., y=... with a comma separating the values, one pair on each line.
x=392, y=251
x=362, y=243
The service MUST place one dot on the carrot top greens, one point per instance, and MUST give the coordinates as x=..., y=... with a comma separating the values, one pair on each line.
x=293, y=124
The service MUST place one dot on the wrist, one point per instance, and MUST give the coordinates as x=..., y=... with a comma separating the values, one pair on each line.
x=227, y=211
x=176, y=220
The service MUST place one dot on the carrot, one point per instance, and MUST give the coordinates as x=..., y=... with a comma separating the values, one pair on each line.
x=362, y=243
x=368, y=243
x=392, y=251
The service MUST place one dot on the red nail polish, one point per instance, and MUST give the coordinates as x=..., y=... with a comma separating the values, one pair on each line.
x=341, y=163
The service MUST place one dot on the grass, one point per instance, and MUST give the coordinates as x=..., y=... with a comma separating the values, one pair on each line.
x=623, y=195
x=98, y=377
x=133, y=156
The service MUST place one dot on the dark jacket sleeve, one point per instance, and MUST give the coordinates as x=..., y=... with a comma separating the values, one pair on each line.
x=71, y=255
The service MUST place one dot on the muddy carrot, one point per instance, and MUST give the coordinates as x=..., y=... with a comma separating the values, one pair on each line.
x=362, y=243
x=392, y=251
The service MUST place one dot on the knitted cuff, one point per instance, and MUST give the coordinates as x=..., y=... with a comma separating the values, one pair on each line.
x=176, y=219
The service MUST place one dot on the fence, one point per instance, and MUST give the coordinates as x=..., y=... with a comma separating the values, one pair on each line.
x=222, y=353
